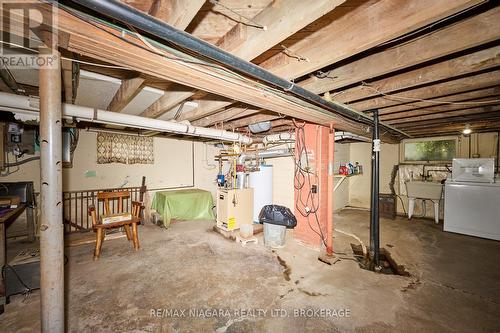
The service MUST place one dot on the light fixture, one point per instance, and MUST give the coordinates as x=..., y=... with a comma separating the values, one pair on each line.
x=467, y=130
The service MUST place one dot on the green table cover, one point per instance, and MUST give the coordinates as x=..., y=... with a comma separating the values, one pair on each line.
x=190, y=204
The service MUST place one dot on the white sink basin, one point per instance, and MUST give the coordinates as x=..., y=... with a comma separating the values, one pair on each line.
x=424, y=190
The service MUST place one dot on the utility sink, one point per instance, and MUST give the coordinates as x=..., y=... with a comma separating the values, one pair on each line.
x=426, y=191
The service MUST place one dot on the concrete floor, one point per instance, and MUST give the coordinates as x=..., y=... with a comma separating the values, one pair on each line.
x=454, y=284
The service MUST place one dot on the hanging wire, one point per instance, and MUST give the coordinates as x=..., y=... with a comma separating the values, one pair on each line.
x=435, y=101
x=254, y=25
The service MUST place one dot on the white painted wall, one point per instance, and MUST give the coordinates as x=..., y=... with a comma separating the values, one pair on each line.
x=283, y=173
x=484, y=144
x=341, y=195
x=172, y=167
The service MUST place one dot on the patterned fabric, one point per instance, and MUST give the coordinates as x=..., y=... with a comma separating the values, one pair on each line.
x=126, y=149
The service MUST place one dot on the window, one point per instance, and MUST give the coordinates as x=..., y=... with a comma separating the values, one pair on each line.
x=430, y=150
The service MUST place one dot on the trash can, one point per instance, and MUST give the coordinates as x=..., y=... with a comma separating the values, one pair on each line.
x=276, y=220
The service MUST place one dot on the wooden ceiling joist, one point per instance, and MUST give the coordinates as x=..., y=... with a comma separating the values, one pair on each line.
x=454, y=129
x=177, y=13
x=463, y=65
x=397, y=111
x=478, y=111
x=129, y=88
x=227, y=115
x=247, y=42
x=463, y=35
x=456, y=86
x=366, y=26
x=442, y=110
x=89, y=40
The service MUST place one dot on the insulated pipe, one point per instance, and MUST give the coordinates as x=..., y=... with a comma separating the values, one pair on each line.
x=11, y=102
x=240, y=175
x=330, y=194
x=165, y=32
x=51, y=223
x=264, y=154
x=277, y=138
x=374, y=214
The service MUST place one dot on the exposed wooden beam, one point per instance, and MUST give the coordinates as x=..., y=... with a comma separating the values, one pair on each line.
x=70, y=79
x=431, y=118
x=365, y=26
x=473, y=82
x=443, y=110
x=92, y=40
x=8, y=79
x=396, y=111
x=456, y=128
x=281, y=19
x=167, y=101
x=456, y=123
x=226, y=115
x=475, y=31
x=463, y=65
x=127, y=91
x=177, y=13
x=250, y=120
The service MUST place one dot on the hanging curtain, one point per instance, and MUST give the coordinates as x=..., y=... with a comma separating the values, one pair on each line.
x=126, y=149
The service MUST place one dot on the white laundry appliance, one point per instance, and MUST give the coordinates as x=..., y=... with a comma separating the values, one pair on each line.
x=472, y=199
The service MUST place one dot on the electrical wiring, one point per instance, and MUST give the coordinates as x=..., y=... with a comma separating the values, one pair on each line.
x=254, y=25
x=66, y=58
x=435, y=101
x=302, y=176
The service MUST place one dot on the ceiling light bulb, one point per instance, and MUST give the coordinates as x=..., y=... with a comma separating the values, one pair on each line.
x=467, y=130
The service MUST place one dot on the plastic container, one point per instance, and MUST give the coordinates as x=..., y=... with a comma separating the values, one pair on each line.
x=274, y=235
x=246, y=230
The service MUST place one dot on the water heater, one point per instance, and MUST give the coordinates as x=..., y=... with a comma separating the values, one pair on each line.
x=262, y=183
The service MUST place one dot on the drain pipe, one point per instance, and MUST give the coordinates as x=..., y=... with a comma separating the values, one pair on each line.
x=26, y=108
x=166, y=33
x=240, y=165
x=278, y=138
x=374, y=213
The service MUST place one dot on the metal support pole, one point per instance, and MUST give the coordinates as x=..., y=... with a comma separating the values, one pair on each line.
x=329, y=220
x=374, y=214
x=51, y=225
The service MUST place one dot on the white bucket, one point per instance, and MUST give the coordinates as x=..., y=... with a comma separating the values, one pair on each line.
x=274, y=235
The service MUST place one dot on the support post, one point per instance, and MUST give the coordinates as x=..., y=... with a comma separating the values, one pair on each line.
x=51, y=225
x=329, y=220
x=374, y=213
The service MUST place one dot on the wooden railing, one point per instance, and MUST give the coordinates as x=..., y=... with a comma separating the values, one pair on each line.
x=76, y=204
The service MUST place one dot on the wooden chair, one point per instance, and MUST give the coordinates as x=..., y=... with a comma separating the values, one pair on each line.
x=101, y=228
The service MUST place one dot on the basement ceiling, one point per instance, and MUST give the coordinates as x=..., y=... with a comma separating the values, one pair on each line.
x=430, y=67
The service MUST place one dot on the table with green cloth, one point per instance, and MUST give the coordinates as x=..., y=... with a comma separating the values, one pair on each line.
x=190, y=204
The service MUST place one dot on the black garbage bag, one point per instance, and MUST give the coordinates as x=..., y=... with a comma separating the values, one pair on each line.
x=278, y=215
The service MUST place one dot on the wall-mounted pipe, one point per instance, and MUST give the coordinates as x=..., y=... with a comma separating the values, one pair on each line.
x=290, y=137
x=241, y=175
x=264, y=154
x=165, y=32
x=27, y=108
x=278, y=138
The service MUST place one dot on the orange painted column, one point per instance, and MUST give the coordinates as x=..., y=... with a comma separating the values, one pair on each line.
x=311, y=184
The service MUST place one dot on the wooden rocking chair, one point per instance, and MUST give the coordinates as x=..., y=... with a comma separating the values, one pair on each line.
x=101, y=228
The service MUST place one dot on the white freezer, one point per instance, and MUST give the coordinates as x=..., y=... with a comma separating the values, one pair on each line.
x=472, y=208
